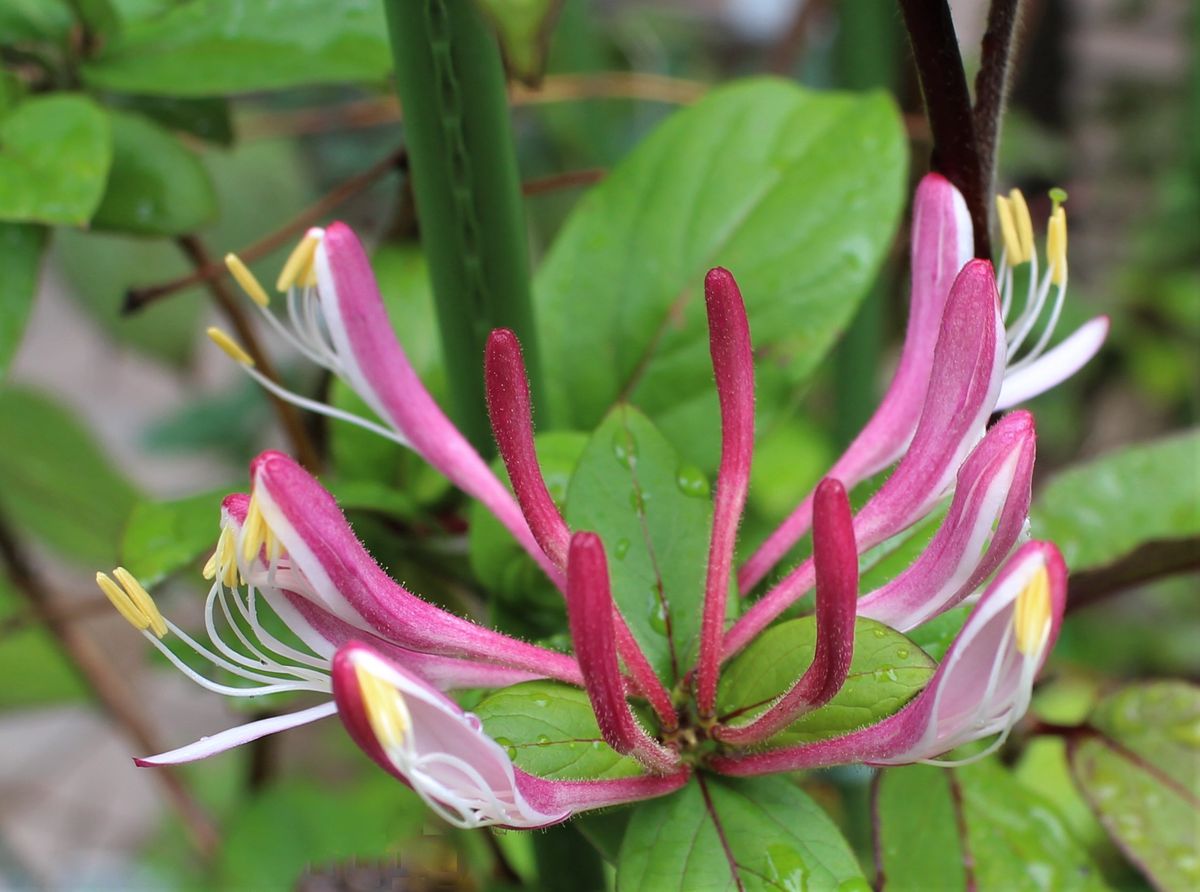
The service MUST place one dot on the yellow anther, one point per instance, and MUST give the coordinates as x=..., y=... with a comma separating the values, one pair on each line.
x=224, y=559
x=1056, y=245
x=1032, y=613
x=1008, y=229
x=299, y=265
x=385, y=707
x=254, y=531
x=247, y=280
x=132, y=601
x=230, y=346
x=1023, y=223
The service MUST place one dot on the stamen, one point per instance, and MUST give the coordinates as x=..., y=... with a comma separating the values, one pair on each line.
x=1008, y=229
x=230, y=346
x=1031, y=615
x=246, y=279
x=385, y=708
x=132, y=601
x=1023, y=223
x=1056, y=245
x=254, y=531
x=223, y=562
x=299, y=265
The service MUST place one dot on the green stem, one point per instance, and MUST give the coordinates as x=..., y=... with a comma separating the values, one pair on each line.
x=464, y=174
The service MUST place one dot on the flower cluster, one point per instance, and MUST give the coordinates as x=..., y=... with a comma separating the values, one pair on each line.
x=386, y=656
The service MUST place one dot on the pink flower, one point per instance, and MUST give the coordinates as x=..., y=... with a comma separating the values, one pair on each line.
x=386, y=655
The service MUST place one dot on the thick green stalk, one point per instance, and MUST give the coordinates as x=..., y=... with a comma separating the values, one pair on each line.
x=468, y=195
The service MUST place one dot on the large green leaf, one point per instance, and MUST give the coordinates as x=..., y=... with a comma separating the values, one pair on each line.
x=654, y=514
x=551, y=731
x=21, y=246
x=214, y=47
x=796, y=192
x=973, y=827
x=55, y=153
x=887, y=670
x=24, y=21
x=156, y=185
x=718, y=834
x=1139, y=774
x=162, y=537
x=1101, y=511
x=57, y=484
x=296, y=825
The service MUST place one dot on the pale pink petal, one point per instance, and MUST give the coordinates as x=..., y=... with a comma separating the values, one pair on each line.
x=1055, y=365
x=942, y=243
x=990, y=508
x=226, y=740
x=733, y=365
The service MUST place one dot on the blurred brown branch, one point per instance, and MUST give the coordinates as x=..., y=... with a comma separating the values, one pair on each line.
x=1149, y=561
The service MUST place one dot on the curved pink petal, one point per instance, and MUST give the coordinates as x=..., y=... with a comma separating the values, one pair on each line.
x=446, y=757
x=968, y=368
x=942, y=243
x=590, y=612
x=375, y=364
x=836, y=560
x=981, y=688
x=990, y=508
x=333, y=569
x=1055, y=365
x=733, y=365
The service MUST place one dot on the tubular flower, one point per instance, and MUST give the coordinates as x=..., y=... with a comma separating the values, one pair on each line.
x=387, y=657
x=941, y=247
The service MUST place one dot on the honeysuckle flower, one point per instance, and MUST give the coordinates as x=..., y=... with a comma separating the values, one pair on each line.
x=942, y=240
x=386, y=655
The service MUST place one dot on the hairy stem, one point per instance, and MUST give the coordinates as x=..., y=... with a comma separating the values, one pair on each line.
x=991, y=84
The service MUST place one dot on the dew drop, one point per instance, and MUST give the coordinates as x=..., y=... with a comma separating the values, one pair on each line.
x=658, y=617
x=902, y=653
x=691, y=481
x=878, y=633
x=541, y=701
x=542, y=739
x=508, y=746
x=621, y=548
x=624, y=447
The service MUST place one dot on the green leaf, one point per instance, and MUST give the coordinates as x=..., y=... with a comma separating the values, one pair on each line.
x=1139, y=776
x=29, y=653
x=216, y=47
x=55, y=153
x=1098, y=512
x=156, y=185
x=887, y=671
x=523, y=29
x=208, y=118
x=974, y=827
x=654, y=514
x=162, y=537
x=295, y=824
x=24, y=21
x=796, y=192
x=21, y=247
x=57, y=484
x=367, y=495
x=551, y=731
x=718, y=833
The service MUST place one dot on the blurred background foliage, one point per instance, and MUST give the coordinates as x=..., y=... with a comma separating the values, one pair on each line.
x=142, y=139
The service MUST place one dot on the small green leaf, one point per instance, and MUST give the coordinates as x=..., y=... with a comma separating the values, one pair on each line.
x=21, y=247
x=1139, y=776
x=216, y=47
x=654, y=514
x=523, y=28
x=796, y=192
x=162, y=537
x=55, y=153
x=718, y=833
x=974, y=827
x=208, y=118
x=57, y=484
x=367, y=495
x=887, y=671
x=156, y=185
x=551, y=731
x=1099, y=512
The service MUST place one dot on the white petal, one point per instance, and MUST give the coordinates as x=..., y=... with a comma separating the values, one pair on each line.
x=228, y=739
x=1054, y=366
